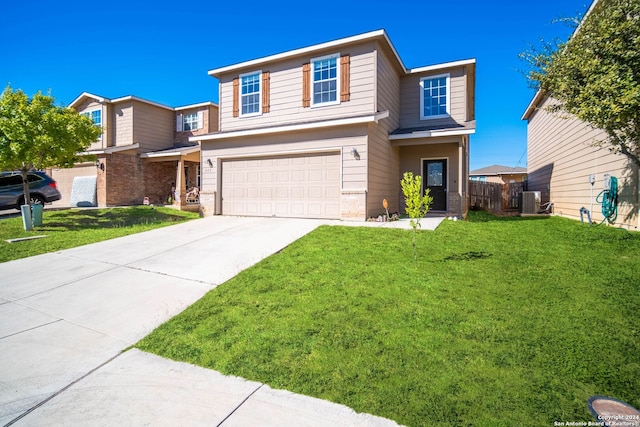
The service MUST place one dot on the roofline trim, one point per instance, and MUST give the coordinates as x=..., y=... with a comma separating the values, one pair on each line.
x=309, y=49
x=431, y=134
x=290, y=128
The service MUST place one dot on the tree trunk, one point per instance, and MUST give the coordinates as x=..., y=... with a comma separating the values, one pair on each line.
x=25, y=186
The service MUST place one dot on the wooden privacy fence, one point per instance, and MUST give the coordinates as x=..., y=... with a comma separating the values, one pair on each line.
x=494, y=197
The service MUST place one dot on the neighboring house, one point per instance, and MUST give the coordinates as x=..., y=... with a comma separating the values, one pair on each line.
x=499, y=174
x=327, y=131
x=569, y=171
x=143, y=153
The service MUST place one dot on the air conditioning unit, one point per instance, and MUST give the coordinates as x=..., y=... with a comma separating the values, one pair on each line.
x=530, y=202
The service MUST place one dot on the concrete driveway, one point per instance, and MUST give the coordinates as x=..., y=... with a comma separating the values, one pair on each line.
x=65, y=318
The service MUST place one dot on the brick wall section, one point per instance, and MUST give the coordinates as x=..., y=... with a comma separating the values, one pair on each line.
x=158, y=180
x=124, y=182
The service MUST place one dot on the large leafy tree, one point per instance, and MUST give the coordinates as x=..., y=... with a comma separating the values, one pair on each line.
x=595, y=75
x=36, y=134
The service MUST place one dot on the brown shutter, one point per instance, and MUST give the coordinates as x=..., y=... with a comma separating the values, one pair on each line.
x=265, y=91
x=306, y=85
x=236, y=95
x=345, y=78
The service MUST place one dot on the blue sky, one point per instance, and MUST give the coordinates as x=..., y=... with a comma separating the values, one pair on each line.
x=162, y=51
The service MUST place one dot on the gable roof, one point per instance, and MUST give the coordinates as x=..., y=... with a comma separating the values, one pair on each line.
x=101, y=99
x=378, y=35
x=499, y=170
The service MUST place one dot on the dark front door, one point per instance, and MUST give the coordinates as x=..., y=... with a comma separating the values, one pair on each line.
x=435, y=179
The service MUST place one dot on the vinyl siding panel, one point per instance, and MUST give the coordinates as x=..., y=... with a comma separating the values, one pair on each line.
x=561, y=157
x=123, y=124
x=152, y=127
x=383, y=159
x=286, y=92
x=410, y=96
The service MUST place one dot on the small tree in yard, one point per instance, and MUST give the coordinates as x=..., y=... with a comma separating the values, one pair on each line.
x=417, y=205
x=36, y=134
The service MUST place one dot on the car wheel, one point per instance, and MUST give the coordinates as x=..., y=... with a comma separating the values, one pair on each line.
x=37, y=200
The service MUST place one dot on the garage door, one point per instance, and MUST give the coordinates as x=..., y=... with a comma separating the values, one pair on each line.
x=305, y=186
x=64, y=180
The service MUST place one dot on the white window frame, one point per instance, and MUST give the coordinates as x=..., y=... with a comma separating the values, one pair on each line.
x=89, y=114
x=312, y=80
x=241, y=95
x=447, y=76
x=190, y=121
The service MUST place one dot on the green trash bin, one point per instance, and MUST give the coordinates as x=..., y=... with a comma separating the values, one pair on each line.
x=37, y=215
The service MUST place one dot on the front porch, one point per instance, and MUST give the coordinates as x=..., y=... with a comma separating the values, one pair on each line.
x=183, y=190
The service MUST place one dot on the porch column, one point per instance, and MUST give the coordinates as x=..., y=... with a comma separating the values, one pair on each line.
x=181, y=186
x=460, y=163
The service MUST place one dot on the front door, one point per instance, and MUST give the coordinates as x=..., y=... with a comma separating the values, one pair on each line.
x=435, y=179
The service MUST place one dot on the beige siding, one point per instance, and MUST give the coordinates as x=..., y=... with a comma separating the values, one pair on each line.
x=286, y=92
x=410, y=96
x=123, y=123
x=384, y=160
x=343, y=139
x=561, y=158
x=152, y=127
x=411, y=157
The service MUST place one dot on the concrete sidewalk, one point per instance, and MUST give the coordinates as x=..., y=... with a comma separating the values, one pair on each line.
x=65, y=318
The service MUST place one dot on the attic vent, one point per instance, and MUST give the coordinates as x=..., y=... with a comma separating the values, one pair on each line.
x=530, y=202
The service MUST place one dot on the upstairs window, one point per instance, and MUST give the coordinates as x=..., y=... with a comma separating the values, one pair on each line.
x=434, y=99
x=325, y=75
x=95, y=116
x=190, y=121
x=250, y=94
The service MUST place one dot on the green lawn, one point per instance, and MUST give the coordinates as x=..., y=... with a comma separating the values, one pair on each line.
x=502, y=321
x=74, y=227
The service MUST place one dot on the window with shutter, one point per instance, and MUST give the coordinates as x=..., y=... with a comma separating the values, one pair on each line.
x=179, y=123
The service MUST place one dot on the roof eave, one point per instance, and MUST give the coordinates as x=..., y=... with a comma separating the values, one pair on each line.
x=372, y=35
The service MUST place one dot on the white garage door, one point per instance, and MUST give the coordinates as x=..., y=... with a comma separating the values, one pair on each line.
x=305, y=186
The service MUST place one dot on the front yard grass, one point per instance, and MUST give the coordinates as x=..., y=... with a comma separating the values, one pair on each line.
x=75, y=227
x=501, y=322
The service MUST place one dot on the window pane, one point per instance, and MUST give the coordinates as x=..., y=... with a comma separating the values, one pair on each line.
x=434, y=95
x=325, y=80
x=250, y=98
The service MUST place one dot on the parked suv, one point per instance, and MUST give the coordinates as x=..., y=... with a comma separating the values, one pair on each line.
x=42, y=189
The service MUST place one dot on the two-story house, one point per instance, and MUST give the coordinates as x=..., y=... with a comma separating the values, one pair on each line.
x=143, y=153
x=327, y=131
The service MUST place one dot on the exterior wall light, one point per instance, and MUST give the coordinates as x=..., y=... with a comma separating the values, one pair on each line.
x=99, y=165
